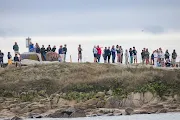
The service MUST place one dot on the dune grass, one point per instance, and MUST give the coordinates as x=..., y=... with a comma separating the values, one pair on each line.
x=87, y=78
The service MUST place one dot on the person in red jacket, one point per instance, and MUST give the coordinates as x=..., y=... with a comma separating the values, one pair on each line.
x=99, y=52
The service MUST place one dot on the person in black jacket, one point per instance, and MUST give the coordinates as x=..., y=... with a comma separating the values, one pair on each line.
x=105, y=55
x=38, y=50
x=48, y=48
x=54, y=49
x=109, y=54
x=43, y=52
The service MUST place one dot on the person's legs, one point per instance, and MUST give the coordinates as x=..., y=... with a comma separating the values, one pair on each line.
x=109, y=58
x=131, y=59
x=155, y=62
x=126, y=60
x=122, y=58
x=64, y=57
x=113, y=58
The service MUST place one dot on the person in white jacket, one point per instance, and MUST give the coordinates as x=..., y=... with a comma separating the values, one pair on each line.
x=155, y=58
x=126, y=57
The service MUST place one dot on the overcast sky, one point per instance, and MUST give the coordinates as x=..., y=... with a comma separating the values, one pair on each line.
x=90, y=22
x=80, y=17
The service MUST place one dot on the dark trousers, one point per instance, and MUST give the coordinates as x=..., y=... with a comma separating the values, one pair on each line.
x=113, y=58
x=98, y=57
x=1, y=62
x=109, y=57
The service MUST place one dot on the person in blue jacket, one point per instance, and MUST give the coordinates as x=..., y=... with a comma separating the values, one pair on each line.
x=113, y=53
x=31, y=47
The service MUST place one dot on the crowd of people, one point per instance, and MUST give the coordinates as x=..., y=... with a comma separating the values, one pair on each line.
x=158, y=58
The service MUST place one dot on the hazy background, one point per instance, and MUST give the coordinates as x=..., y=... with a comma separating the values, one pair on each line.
x=90, y=22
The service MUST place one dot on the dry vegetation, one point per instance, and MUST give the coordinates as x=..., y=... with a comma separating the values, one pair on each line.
x=88, y=78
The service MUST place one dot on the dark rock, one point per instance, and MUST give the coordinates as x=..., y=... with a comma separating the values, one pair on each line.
x=164, y=110
x=16, y=118
x=34, y=115
x=129, y=111
x=68, y=113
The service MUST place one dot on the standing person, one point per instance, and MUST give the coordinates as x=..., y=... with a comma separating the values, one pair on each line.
x=31, y=47
x=109, y=54
x=113, y=52
x=167, y=55
x=65, y=52
x=16, y=48
x=143, y=56
x=38, y=50
x=16, y=60
x=131, y=55
x=99, y=53
x=79, y=54
x=61, y=54
x=43, y=52
x=48, y=48
x=118, y=54
x=126, y=57
x=95, y=54
x=174, y=56
x=121, y=53
x=155, y=58
x=9, y=58
x=147, y=56
x=162, y=56
x=1, y=58
x=135, y=55
x=152, y=58
x=105, y=54
x=54, y=49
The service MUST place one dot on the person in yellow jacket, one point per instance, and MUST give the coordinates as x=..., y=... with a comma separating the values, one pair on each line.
x=9, y=58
